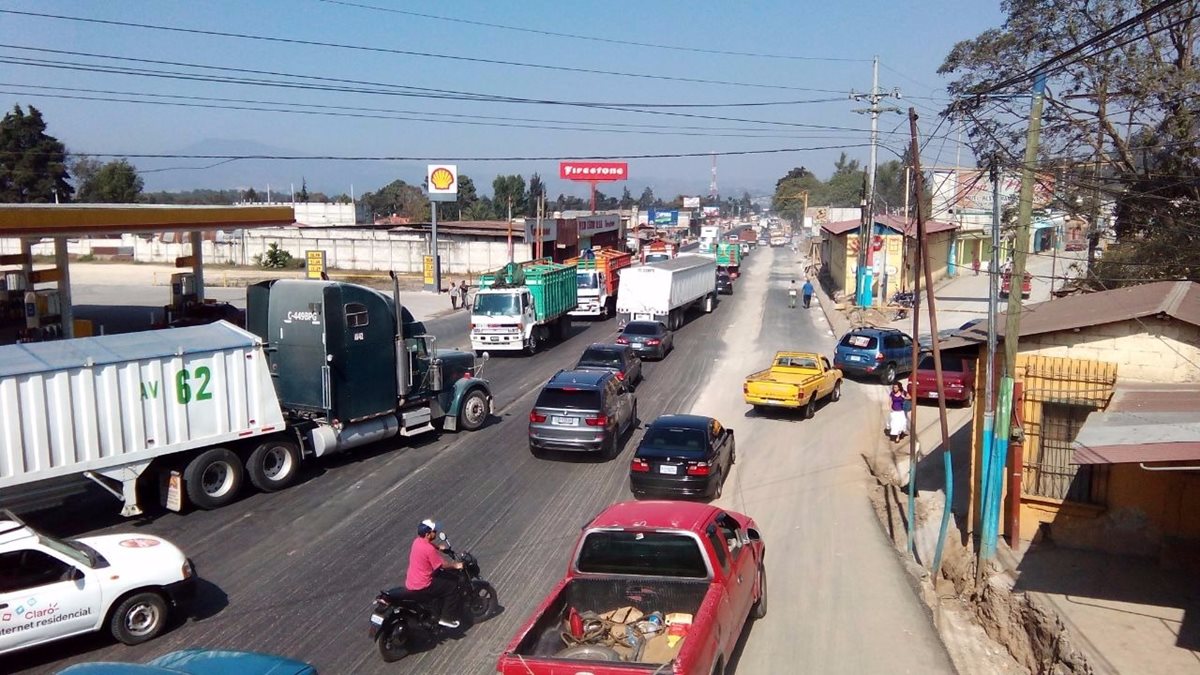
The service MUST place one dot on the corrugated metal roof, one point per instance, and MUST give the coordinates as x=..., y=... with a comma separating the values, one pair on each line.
x=1177, y=299
x=40, y=357
x=1143, y=423
x=894, y=223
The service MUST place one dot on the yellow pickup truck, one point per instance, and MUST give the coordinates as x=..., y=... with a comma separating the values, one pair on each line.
x=794, y=380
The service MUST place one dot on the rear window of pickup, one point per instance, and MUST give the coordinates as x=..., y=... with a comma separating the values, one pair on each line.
x=642, y=553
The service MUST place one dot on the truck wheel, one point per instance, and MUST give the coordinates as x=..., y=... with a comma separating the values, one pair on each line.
x=213, y=478
x=140, y=617
x=810, y=410
x=473, y=411
x=837, y=393
x=273, y=465
x=759, y=610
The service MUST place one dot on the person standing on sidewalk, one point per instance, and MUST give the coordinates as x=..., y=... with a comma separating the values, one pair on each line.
x=462, y=291
x=975, y=265
x=807, y=292
x=453, y=296
x=898, y=415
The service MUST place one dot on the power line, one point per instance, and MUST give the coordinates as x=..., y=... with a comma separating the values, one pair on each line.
x=406, y=52
x=424, y=92
x=575, y=36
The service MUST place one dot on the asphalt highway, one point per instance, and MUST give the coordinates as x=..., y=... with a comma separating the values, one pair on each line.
x=295, y=572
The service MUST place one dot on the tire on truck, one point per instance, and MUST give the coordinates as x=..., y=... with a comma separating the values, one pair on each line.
x=274, y=464
x=213, y=478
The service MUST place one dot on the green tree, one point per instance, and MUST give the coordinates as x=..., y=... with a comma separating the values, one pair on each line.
x=343, y=199
x=467, y=198
x=250, y=195
x=505, y=188
x=275, y=258
x=400, y=199
x=1118, y=116
x=33, y=167
x=647, y=200
x=536, y=187
x=116, y=182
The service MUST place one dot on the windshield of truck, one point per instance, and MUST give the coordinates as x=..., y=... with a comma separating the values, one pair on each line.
x=657, y=257
x=641, y=328
x=600, y=358
x=497, y=304
x=569, y=398
x=642, y=553
x=661, y=441
x=587, y=280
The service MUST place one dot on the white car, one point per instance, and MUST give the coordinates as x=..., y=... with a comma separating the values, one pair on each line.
x=127, y=584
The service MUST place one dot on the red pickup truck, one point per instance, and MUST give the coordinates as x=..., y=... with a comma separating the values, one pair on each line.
x=697, y=568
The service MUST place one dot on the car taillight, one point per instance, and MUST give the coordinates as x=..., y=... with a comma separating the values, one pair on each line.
x=597, y=421
x=622, y=341
x=879, y=356
x=620, y=376
x=653, y=341
x=699, y=469
x=536, y=418
x=639, y=466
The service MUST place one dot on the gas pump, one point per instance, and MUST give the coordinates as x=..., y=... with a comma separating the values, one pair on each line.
x=43, y=316
x=183, y=296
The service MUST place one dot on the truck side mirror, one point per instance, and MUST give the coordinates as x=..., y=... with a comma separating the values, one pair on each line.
x=76, y=574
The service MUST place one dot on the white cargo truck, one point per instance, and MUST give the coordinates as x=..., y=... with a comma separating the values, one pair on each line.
x=665, y=291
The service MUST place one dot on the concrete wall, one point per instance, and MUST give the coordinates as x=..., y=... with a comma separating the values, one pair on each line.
x=1152, y=350
x=346, y=249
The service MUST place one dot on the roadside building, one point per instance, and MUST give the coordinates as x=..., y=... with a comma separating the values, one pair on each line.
x=1107, y=404
x=891, y=259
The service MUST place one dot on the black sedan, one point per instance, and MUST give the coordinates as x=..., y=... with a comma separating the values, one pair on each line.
x=647, y=338
x=724, y=283
x=682, y=455
x=621, y=359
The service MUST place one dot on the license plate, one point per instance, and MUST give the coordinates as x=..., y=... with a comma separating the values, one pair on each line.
x=667, y=469
x=565, y=421
x=377, y=619
x=852, y=357
x=933, y=394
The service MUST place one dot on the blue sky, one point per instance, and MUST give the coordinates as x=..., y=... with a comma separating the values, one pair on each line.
x=910, y=39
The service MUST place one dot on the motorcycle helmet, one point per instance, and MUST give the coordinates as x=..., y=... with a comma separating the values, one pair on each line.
x=428, y=525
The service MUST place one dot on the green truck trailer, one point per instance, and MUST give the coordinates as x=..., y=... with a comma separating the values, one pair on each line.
x=729, y=258
x=522, y=306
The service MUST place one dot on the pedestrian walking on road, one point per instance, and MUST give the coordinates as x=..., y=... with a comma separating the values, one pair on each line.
x=792, y=295
x=453, y=296
x=462, y=291
x=975, y=265
x=807, y=292
x=897, y=426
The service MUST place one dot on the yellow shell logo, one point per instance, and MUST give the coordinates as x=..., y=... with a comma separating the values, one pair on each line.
x=441, y=178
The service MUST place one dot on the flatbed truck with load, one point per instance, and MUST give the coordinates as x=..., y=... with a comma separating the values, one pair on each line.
x=729, y=258
x=523, y=306
x=596, y=277
x=666, y=291
x=653, y=587
x=323, y=367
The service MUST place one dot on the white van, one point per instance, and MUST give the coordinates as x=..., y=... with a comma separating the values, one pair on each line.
x=127, y=584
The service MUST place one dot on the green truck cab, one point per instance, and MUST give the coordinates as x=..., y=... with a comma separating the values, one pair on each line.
x=522, y=306
x=352, y=366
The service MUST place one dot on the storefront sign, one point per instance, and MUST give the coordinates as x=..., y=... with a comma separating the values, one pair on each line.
x=589, y=225
x=593, y=171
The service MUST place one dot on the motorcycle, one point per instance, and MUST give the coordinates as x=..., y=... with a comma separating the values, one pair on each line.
x=904, y=299
x=397, y=616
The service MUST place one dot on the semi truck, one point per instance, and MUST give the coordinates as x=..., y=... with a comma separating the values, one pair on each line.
x=523, y=306
x=665, y=291
x=323, y=367
x=710, y=235
x=596, y=278
x=729, y=258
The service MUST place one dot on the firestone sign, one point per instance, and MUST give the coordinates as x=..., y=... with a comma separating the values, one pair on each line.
x=593, y=171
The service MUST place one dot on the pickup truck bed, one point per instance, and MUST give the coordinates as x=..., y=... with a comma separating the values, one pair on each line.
x=601, y=594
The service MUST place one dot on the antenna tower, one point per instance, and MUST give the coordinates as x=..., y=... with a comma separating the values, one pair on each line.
x=712, y=185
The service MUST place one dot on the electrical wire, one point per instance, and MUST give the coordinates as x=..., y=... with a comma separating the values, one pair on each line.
x=406, y=52
x=575, y=36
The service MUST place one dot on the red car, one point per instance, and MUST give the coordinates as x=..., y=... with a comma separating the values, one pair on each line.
x=958, y=379
x=692, y=573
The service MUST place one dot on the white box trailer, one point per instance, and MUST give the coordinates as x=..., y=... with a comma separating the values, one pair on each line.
x=108, y=407
x=665, y=291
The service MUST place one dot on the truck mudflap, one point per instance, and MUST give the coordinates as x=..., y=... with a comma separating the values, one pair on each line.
x=462, y=388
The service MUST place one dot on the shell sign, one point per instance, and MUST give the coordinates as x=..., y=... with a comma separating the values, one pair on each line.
x=443, y=182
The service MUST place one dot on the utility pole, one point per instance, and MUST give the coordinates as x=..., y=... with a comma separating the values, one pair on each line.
x=1094, y=226
x=874, y=97
x=510, y=241
x=987, y=546
x=1021, y=242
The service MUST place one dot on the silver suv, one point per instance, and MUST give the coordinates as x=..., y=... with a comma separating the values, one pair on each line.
x=582, y=410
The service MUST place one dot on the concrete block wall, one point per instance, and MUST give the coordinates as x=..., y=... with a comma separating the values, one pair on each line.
x=1153, y=350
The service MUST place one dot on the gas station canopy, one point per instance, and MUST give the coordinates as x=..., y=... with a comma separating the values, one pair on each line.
x=73, y=220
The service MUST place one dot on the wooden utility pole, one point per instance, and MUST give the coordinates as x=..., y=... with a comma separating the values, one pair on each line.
x=1012, y=327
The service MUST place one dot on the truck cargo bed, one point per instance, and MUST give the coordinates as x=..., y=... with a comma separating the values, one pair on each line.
x=602, y=594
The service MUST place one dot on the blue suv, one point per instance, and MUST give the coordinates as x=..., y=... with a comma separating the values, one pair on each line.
x=883, y=352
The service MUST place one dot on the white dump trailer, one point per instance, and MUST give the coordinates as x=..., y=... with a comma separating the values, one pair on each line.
x=665, y=291
x=109, y=407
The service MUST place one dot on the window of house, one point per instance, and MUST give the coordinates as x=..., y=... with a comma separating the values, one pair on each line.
x=1052, y=474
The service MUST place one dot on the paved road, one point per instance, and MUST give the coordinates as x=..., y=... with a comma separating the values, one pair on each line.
x=295, y=572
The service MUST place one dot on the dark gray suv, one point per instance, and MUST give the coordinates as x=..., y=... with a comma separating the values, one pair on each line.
x=582, y=410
